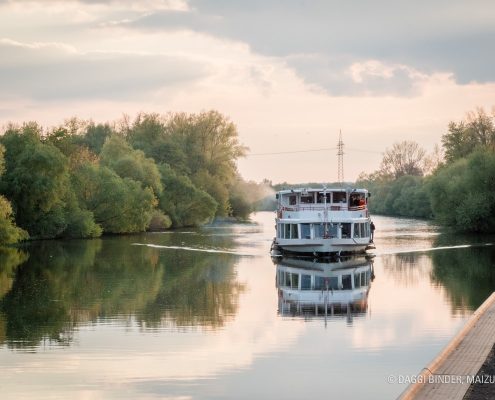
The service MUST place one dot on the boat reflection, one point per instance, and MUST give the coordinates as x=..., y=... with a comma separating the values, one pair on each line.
x=320, y=288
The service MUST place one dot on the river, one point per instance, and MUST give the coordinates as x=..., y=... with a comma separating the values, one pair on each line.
x=196, y=314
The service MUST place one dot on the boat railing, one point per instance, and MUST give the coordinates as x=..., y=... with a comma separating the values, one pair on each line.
x=333, y=207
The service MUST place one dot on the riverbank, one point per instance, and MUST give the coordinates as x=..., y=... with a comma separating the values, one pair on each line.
x=471, y=350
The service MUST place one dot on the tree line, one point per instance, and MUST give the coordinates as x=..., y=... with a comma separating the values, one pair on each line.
x=81, y=179
x=453, y=185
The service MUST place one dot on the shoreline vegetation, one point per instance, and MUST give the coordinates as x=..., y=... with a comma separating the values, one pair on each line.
x=82, y=180
x=454, y=185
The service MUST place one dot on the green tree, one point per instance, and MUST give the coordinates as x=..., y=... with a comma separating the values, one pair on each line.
x=119, y=205
x=183, y=202
x=202, y=146
x=36, y=181
x=119, y=156
x=9, y=232
x=462, y=193
x=478, y=130
x=151, y=134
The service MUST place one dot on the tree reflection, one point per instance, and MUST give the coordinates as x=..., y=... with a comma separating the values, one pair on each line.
x=65, y=284
x=467, y=274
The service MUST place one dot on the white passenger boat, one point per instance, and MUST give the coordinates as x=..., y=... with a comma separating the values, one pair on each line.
x=315, y=287
x=322, y=221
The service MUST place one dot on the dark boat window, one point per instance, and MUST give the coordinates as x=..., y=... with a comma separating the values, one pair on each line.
x=339, y=197
x=332, y=230
x=319, y=230
x=321, y=283
x=346, y=230
x=305, y=282
x=305, y=231
x=346, y=282
x=321, y=197
x=292, y=200
x=307, y=199
x=294, y=232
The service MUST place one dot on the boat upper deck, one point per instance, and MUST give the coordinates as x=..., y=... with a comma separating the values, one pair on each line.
x=304, y=201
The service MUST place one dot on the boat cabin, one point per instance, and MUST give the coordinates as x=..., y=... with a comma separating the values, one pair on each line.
x=335, y=199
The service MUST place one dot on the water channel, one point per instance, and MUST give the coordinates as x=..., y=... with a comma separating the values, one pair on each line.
x=197, y=314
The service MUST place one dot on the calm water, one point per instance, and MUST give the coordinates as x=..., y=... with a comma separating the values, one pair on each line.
x=196, y=314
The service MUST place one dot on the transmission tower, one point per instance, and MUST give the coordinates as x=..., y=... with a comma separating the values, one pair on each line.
x=340, y=154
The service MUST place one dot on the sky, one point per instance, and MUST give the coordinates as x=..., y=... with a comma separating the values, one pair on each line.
x=290, y=74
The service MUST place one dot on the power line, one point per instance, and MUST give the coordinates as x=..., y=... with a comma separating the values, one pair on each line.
x=292, y=152
x=312, y=150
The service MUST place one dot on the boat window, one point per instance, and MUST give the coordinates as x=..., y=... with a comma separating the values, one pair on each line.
x=319, y=230
x=292, y=200
x=294, y=281
x=305, y=231
x=359, y=230
x=339, y=197
x=361, y=280
x=333, y=230
x=305, y=282
x=294, y=231
x=321, y=197
x=322, y=283
x=286, y=231
x=346, y=230
x=357, y=281
x=346, y=282
x=290, y=280
x=307, y=199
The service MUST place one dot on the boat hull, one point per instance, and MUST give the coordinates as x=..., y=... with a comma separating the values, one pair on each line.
x=320, y=247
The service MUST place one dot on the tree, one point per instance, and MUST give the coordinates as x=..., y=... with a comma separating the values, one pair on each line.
x=151, y=134
x=118, y=155
x=36, y=181
x=183, y=202
x=404, y=158
x=478, y=130
x=462, y=193
x=119, y=205
x=9, y=232
x=204, y=147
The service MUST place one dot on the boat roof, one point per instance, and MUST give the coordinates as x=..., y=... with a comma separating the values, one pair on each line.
x=301, y=190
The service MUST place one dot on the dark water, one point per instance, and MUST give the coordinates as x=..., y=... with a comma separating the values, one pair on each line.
x=197, y=314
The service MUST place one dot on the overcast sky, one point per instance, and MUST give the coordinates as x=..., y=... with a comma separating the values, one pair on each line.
x=289, y=73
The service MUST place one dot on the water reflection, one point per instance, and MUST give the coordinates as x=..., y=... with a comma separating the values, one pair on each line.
x=323, y=287
x=65, y=284
x=197, y=314
x=468, y=275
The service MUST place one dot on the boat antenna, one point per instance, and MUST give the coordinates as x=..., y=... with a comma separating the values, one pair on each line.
x=340, y=154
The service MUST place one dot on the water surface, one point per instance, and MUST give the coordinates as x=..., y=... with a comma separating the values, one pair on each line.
x=196, y=314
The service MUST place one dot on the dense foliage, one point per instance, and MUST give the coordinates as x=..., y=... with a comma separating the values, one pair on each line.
x=457, y=192
x=81, y=179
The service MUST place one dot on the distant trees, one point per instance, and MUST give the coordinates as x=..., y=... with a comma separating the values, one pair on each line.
x=462, y=193
x=457, y=191
x=398, y=186
x=477, y=131
x=404, y=158
x=81, y=179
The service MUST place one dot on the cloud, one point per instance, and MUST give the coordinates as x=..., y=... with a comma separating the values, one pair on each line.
x=49, y=71
x=442, y=37
x=345, y=77
x=138, y=5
